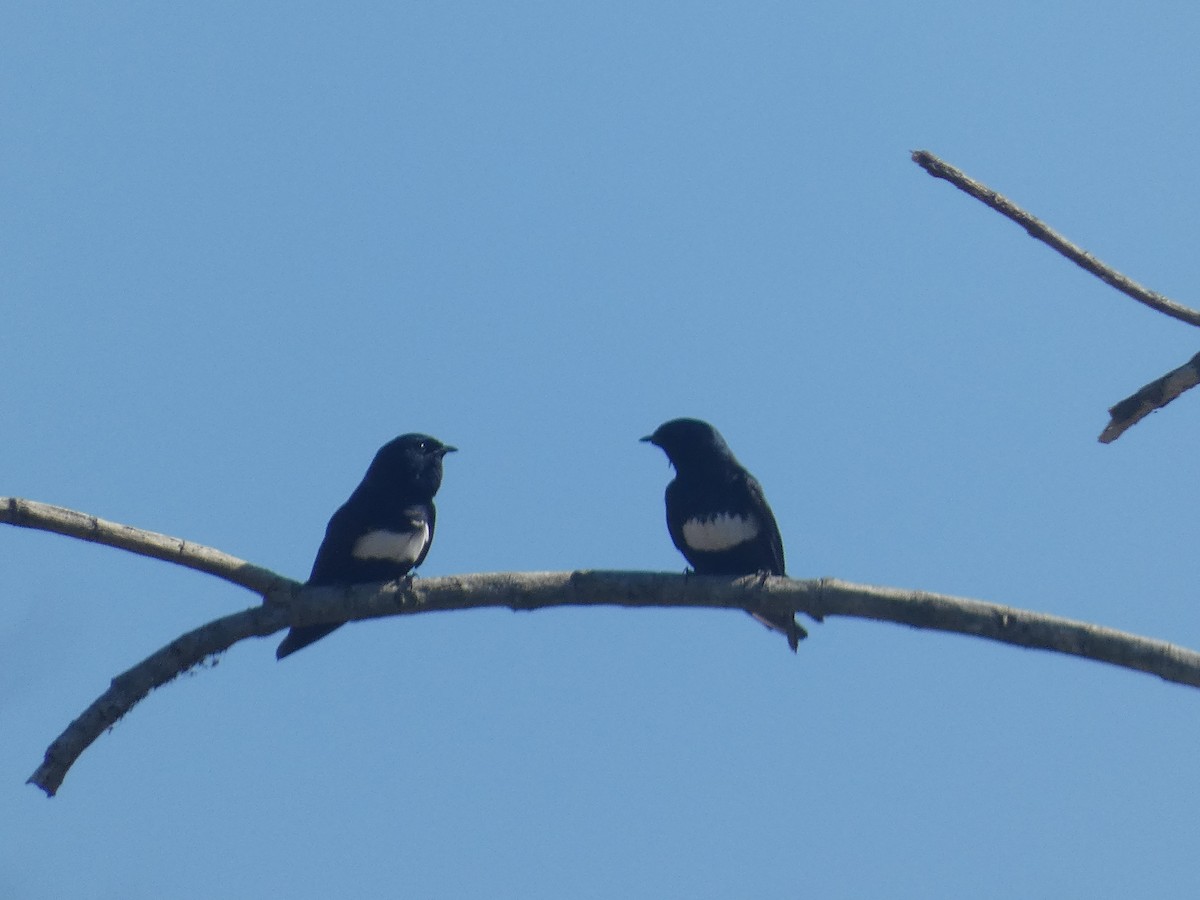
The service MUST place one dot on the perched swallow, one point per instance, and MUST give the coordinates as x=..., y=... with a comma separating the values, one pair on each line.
x=717, y=514
x=384, y=530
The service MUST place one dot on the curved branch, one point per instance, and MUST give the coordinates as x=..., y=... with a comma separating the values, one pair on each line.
x=537, y=590
x=293, y=604
x=60, y=520
x=130, y=687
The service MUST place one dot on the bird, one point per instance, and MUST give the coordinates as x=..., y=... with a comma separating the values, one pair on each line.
x=717, y=514
x=384, y=530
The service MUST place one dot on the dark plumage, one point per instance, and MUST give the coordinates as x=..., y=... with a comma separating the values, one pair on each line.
x=384, y=530
x=717, y=514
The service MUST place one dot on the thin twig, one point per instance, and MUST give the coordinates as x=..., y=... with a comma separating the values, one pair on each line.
x=1154, y=395
x=1047, y=235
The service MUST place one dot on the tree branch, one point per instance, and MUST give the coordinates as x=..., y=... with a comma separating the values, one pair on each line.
x=290, y=604
x=60, y=520
x=130, y=687
x=1157, y=393
x=1047, y=235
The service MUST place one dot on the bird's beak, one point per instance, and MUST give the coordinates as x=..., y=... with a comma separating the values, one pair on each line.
x=446, y=448
x=648, y=439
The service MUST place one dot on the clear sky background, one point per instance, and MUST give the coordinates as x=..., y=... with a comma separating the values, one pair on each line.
x=245, y=244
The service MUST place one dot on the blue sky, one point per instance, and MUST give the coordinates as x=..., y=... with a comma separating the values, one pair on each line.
x=245, y=244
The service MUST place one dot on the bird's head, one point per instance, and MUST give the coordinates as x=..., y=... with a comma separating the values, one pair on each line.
x=690, y=444
x=410, y=461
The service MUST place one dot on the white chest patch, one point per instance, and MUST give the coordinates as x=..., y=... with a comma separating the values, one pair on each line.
x=402, y=547
x=720, y=532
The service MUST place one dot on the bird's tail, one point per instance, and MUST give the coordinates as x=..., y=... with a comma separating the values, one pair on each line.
x=785, y=624
x=299, y=638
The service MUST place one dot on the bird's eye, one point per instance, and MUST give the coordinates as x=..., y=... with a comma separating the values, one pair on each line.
x=424, y=446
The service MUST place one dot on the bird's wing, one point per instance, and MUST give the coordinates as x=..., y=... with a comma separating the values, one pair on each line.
x=334, y=555
x=676, y=515
x=762, y=510
x=429, y=512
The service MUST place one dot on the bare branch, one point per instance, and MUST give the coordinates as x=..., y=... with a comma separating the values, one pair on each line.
x=130, y=687
x=537, y=590
x=58, y=519
x=1157, y=393
x=290, y=603
x=1047, y=235
x=1154, y=395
